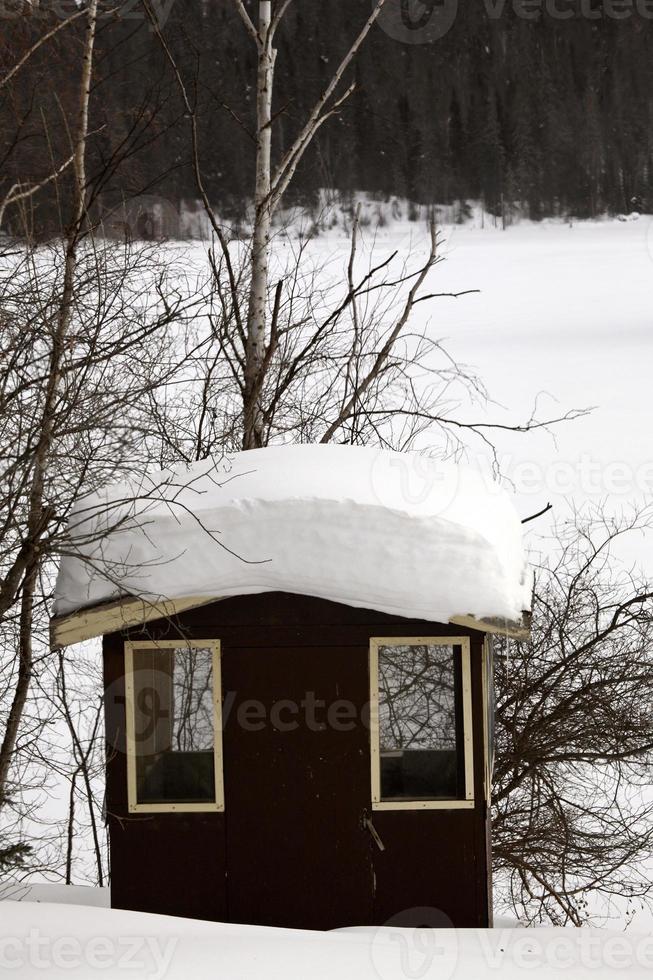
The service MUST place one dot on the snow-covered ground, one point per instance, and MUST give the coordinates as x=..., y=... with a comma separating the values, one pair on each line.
x=562, y=320
x=562, y=310
x=66, y=940
x=568, y=311
x=564, y=315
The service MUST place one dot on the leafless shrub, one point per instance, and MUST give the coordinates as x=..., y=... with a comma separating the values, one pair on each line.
x=573, y=811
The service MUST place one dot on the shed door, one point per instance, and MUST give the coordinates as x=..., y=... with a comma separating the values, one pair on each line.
x=296, y=767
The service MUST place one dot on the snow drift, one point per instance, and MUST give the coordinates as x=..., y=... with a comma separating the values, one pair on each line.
x=60, y=941
x=396, y=532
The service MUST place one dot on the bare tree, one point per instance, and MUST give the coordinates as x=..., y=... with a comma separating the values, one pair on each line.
x=93, y=382
x=291, y=354
x=22, y=573
x=84, y=726
x=270, y=183
x=573, y=814
x=85, y=335
x=270, y=186
x=18, y=194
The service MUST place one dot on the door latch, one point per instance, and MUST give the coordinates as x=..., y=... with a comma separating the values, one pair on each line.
x=366, y=823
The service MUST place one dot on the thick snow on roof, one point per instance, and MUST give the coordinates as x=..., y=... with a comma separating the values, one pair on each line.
x=396, y=532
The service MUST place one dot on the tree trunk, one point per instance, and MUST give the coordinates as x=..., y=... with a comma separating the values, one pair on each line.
x=25, y=662
x=37, y=515
x=256, y=315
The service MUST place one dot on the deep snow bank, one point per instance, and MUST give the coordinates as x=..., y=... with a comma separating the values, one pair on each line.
x=73, y=941
x=389, y=531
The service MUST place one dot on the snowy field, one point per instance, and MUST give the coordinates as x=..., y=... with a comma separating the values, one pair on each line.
x=564, y=313
x=564, y=317
x=85, y=940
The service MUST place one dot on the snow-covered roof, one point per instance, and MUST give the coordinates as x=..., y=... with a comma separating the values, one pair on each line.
x=396, y=532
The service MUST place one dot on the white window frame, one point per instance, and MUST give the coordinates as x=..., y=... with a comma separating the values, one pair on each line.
x=214, y=806
x=487, y=700
x=468, y=802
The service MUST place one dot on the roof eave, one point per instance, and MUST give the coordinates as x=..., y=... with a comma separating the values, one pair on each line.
x=131, y=611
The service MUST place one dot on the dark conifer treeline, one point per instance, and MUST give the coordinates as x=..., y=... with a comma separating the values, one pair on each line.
x=554, y=114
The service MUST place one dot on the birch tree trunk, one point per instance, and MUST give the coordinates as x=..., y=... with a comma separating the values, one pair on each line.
x=256, y=314
x=270, y=187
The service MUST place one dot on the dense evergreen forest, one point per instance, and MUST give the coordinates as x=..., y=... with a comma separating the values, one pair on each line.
x=552, y=115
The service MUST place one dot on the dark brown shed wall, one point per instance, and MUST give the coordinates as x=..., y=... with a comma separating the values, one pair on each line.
x=178, y=863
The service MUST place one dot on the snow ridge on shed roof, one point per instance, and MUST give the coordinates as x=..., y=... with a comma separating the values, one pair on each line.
x=397, y=532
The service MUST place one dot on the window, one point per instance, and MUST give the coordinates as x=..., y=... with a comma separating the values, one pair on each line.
x=421, y=723
x=174, y=726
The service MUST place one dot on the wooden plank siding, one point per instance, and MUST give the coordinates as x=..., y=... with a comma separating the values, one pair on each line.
x=281, y=853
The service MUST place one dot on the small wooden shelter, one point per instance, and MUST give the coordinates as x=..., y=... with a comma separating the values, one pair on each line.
x=281, y=758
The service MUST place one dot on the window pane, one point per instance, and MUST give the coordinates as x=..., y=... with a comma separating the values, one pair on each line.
x=174, y=725
x=420, y=722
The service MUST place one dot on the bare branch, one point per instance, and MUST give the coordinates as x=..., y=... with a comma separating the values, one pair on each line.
x=39, y=44
x=291, y=159
x=247, y=21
